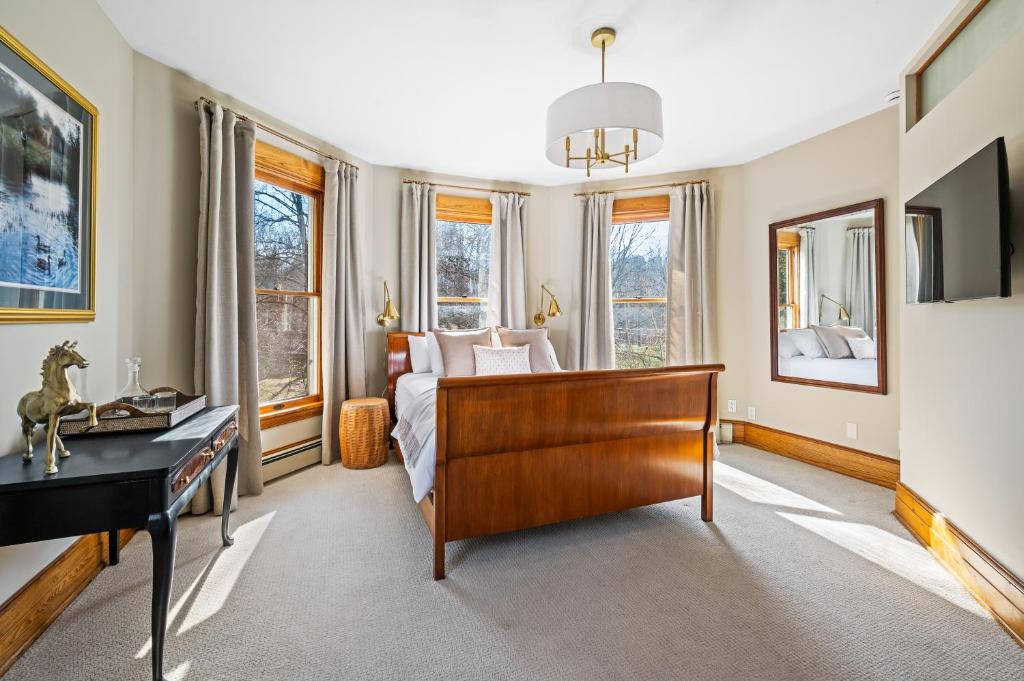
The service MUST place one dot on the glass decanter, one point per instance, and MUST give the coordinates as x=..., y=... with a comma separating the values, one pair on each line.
x=133, y=393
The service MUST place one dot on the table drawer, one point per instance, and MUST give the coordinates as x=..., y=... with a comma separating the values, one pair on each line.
x=191, y=469
x=195, y=465
x=225, y=435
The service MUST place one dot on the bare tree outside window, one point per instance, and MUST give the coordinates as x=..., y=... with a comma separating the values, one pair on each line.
x=284, y=323
x=463, y=251
x=639, y=264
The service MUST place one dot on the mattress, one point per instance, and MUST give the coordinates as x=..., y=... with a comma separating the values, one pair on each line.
x=856, y=371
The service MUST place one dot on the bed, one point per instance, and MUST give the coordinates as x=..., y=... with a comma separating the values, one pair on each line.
x=519, y=451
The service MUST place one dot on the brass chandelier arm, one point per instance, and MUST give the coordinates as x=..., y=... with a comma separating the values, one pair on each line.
x=600, y=155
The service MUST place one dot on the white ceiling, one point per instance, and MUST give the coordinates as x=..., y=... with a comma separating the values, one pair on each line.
x=462, y=86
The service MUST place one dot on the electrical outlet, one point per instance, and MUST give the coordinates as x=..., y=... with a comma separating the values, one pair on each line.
x=730, y=406
x=851, y=431
x=751, y=414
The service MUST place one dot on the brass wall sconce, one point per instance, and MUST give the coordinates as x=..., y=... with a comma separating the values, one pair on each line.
x=554, y=310
x=390, y=313
x=844, y=314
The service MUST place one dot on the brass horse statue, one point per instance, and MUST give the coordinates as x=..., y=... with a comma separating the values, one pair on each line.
x=55, y=399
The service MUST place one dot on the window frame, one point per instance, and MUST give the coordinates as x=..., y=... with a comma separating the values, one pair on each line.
x=642, y=209
x=790, y=243
x=292, y=172
x=471, y=209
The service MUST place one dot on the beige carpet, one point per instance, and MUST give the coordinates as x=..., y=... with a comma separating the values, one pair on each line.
x=804, y=575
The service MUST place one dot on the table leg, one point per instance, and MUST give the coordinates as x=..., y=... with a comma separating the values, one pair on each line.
x=113, y=547
x=163, y=530
x=229, y=493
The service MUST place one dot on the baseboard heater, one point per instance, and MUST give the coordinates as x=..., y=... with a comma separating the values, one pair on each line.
x=292, y=451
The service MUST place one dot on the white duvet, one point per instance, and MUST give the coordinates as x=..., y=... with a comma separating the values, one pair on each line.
x=416, y=411
x=859, y=371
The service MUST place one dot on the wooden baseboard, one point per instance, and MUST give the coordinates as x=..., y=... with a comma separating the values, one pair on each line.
x=998, y=589
x=880, y=470
x=26, y=615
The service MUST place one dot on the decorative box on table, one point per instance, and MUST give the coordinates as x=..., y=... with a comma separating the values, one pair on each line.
x=118, y=417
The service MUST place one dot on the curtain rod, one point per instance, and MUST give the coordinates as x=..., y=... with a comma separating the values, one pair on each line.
x=459, y=186
x=276, y=133
x=637, y=189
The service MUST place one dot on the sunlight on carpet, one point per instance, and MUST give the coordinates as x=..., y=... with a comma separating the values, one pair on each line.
x=760, y=491
x=895, y=554
x=210, y=590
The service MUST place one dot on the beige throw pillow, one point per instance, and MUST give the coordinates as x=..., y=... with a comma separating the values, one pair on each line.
x=457, y=350
x=835, y=344
x=537, y=339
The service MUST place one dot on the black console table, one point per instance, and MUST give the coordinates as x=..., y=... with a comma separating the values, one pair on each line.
x=114, y=482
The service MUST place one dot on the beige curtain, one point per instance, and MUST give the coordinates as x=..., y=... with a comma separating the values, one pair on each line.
x=691, y=276
x=225, y=341
x=809, y=295
x=344, y=314
x=506, y=294
x=592, y=330
x=418, y=264
x=860, y=278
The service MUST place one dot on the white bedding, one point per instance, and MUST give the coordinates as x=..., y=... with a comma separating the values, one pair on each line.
x=858, y=371
x=415, y=409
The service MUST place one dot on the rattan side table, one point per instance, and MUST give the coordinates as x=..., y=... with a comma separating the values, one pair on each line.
x=362, y=431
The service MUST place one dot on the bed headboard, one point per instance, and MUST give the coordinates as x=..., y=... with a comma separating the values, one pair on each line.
x=398, y=362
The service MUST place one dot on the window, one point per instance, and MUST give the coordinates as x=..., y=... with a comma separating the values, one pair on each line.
x=787, y=254
x=288, y=201
x=463, y=252
x=639, y=263
x=984, y=30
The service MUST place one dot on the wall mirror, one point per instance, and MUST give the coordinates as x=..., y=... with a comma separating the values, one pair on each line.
x=828, y=298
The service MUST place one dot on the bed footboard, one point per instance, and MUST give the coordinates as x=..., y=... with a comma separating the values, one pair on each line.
x=527, y=450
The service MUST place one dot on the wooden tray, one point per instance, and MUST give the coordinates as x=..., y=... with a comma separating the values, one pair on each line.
x=118, y=417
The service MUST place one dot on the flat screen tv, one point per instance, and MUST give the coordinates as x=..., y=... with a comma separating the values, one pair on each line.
x=958, y=232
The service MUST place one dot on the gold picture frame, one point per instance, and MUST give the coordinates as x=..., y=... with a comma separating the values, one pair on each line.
x=45, y=304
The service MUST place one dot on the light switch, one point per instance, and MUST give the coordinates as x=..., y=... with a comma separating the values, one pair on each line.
x=751, y=413
x=730, y=406
x=851, y=431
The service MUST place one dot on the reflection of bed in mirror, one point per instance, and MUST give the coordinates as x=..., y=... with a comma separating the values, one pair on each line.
x=839, y=354
x=859, y=371
x=827, y=304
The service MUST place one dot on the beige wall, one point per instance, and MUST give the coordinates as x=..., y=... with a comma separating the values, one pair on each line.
x=166, y=214
x=961, y=367
x=851, y=164
x=85, y=49
x=383, y=221
x=854, y=163
x=148, y=211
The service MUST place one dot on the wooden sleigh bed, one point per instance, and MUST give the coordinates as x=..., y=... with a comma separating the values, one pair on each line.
x=526, y=450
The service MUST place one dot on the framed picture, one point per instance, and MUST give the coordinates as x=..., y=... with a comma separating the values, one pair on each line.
x=47, y=193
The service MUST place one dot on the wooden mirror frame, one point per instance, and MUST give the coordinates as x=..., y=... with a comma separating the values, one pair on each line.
x=878, y=207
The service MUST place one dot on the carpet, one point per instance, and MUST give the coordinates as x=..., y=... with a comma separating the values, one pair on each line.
x=805, y=574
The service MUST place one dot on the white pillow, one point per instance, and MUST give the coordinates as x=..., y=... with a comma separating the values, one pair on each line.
x=499, y=361
x=849, y=332
x=863, y=348
x=434, y=352
x=554, y=358
x=807, y=342
x=835, y=344
x=787, y=348
x=419, y=355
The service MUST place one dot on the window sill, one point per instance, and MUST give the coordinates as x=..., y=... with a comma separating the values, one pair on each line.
x=279, y=417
